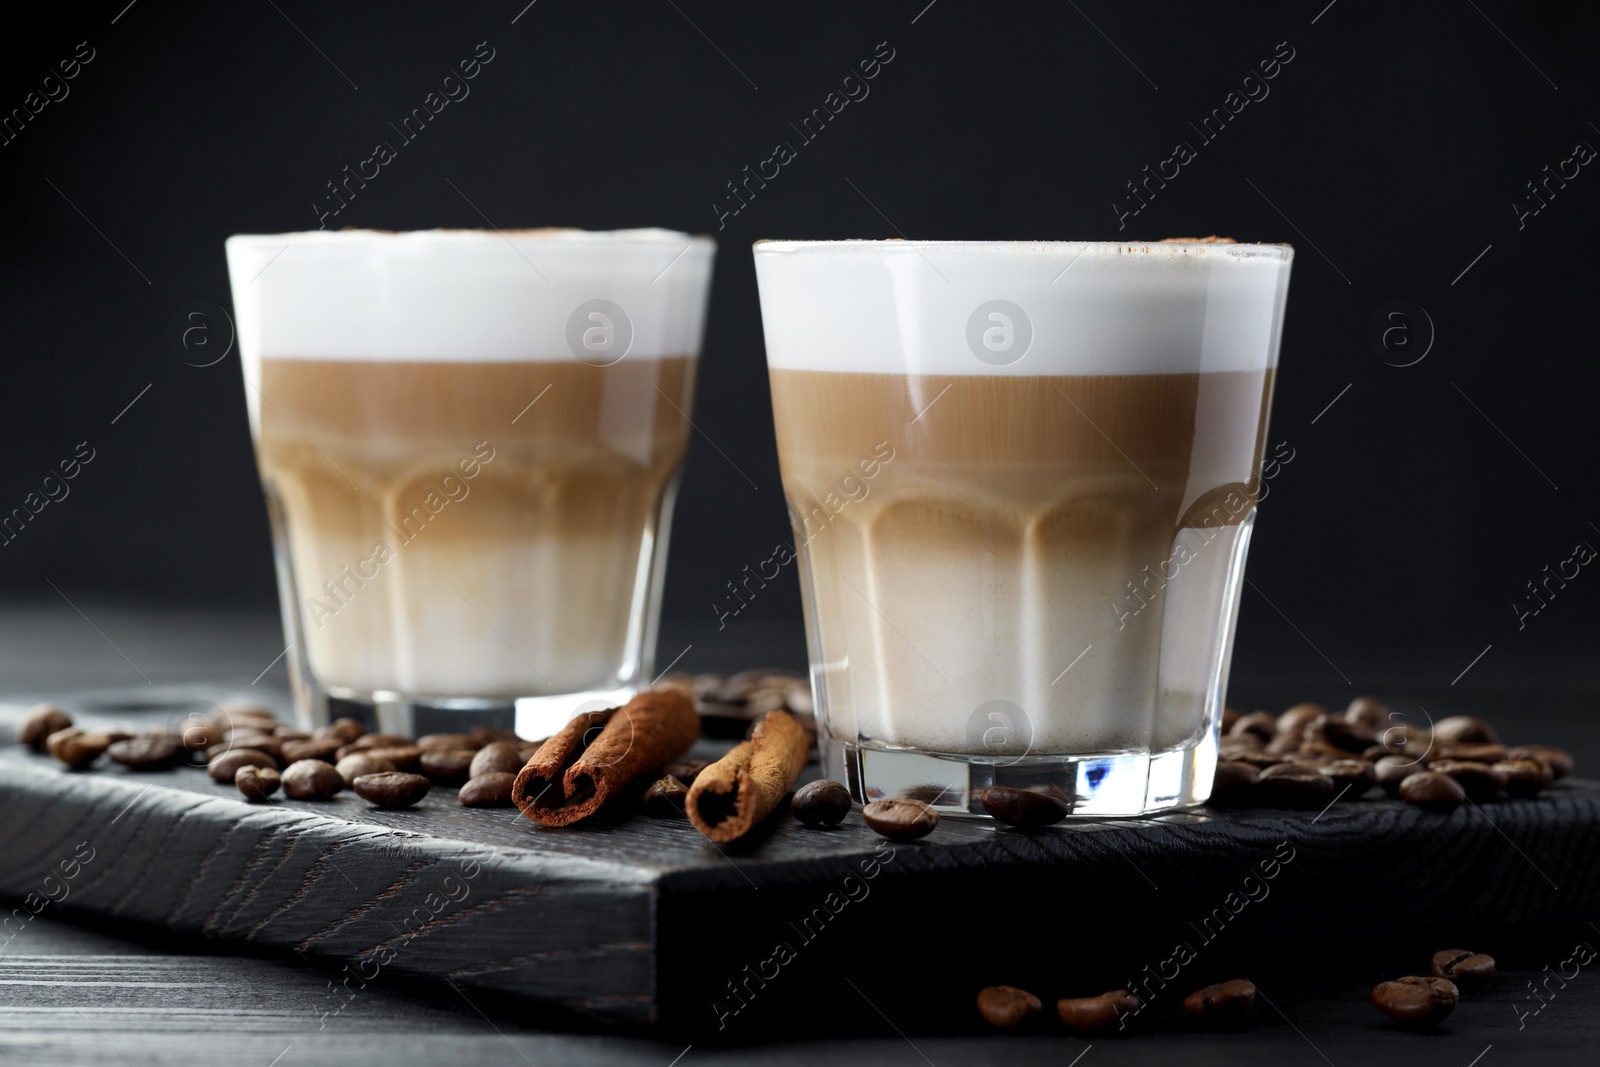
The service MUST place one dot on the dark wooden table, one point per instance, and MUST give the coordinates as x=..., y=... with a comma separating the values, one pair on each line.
x=73, y=992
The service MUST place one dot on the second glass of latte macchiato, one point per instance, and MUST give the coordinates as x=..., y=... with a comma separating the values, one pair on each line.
x=1021, y=479
x=469, y=443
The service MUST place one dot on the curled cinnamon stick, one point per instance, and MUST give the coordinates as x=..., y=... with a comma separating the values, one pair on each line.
x=596, y=755
x=745, y=786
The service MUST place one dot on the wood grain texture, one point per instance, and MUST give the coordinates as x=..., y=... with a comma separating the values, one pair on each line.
x=638, y=921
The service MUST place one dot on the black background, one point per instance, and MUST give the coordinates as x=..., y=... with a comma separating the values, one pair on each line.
x=1390, y=152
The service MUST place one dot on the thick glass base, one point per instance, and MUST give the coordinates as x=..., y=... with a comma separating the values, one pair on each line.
x=1092, y=784
x=412, y=715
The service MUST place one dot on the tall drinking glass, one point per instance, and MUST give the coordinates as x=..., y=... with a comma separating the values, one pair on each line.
x=1021, y=479
x=469, y=443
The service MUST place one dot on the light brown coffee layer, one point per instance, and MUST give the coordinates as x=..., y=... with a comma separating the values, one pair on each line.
x=470, y=529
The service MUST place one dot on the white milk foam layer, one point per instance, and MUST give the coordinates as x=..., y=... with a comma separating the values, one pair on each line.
x=907, y=307
x=468, y=295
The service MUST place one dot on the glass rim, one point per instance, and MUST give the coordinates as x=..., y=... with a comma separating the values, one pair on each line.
x=868, y=246
x=554, y=235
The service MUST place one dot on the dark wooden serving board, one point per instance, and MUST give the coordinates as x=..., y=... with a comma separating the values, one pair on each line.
x=639, y=921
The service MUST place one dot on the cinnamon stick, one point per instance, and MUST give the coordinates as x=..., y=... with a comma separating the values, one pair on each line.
x=745, y=786
x=596, y=755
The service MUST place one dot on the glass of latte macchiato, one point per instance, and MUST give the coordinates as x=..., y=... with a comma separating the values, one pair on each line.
x=1021, y=479
x=469, y=443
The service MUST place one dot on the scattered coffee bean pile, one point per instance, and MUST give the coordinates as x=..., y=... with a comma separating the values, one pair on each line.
x=1006, y=1007
x=1308, y=756
x=1423, y=1001
x=247, y=746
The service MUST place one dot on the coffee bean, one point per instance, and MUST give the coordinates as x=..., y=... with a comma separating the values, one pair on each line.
x=1229, y=717
x=1390, y=771
x=1262, y=760
x=199, y=735
x=488, y=735
x=446, y=766
x=1234, y=783
x=1319, y=752
x=356, y=764
x=685, y=771
x=1468, y=970
x=1416, y=1001
x=491, y=790
x=1560, y=761
x=900, y=819
x=1089, y=1015
x=256, y=783
x=42, y=720
x=225, y=766
x=367, y=742
x=76, y=748
x=148, y=752
x=1235, y=747
x=1353, y=774
x=1374, y=753
x=312, y=779
x=322, y=748
x=1525, y=776
x=1432, y=791
x=1004, y=1006
x=495, y=757
x=447, y=742
x=1467, y=728
x=665, y=799
x=342, y=730
x=290, y=733
x=1022, y=807
x=1223, y=1002
x=821, y=803
x=1367, y=712
x=1262, y=724
x=1285, y=744
x=407, y=758
x=1476, y=751
x=391, y=789
x=1290, y=785
x=1480, y=781
x=1346, y=737
x=245, y=709
x=1296, y=719
x=261, y=742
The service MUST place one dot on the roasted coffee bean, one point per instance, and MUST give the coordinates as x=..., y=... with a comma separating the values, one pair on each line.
x=821, y=803
x=488, y=735
x=1262, y=760
x=199, y=735
x=356, y=764
x=446, y=766
x=1464, y=728
x=225, y=766
x=448, y=742
x=491, y=790
x=1229, y=717
x=685, y=770
x=495, y=757
x=1089, y=1015
x=1004, y=1006
x=1290, y=785
x=665, y=799
x=256, y=783
x=1234, y=783
x=343, y=730
x=1470, y=971
x=367, y=742
x=290, y=733
x=1433, y=791
x=392, y=789
x=76, y=748
x=1367, y=712
x=148, y=752
x=1560, y=760
x=1415, y=1000
x=900, y=818
x=1477, y=752
x=322, y=748
x=1319, y=751
x=1022, y=807
x=312, y=779
x=1353, y=774
x=1525, y=776
x=1346, y=737
x=246, y=709
x=1390, y=771
x=1286, y=744
x=268, y=743
x=406, y=758
x=1374, y=753
x=1296, y=719
x=1406, y=740
x=1223, y=1002
x=42, y=720
x=1262, y=724
x=1480, y=781
x=1235, y=747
